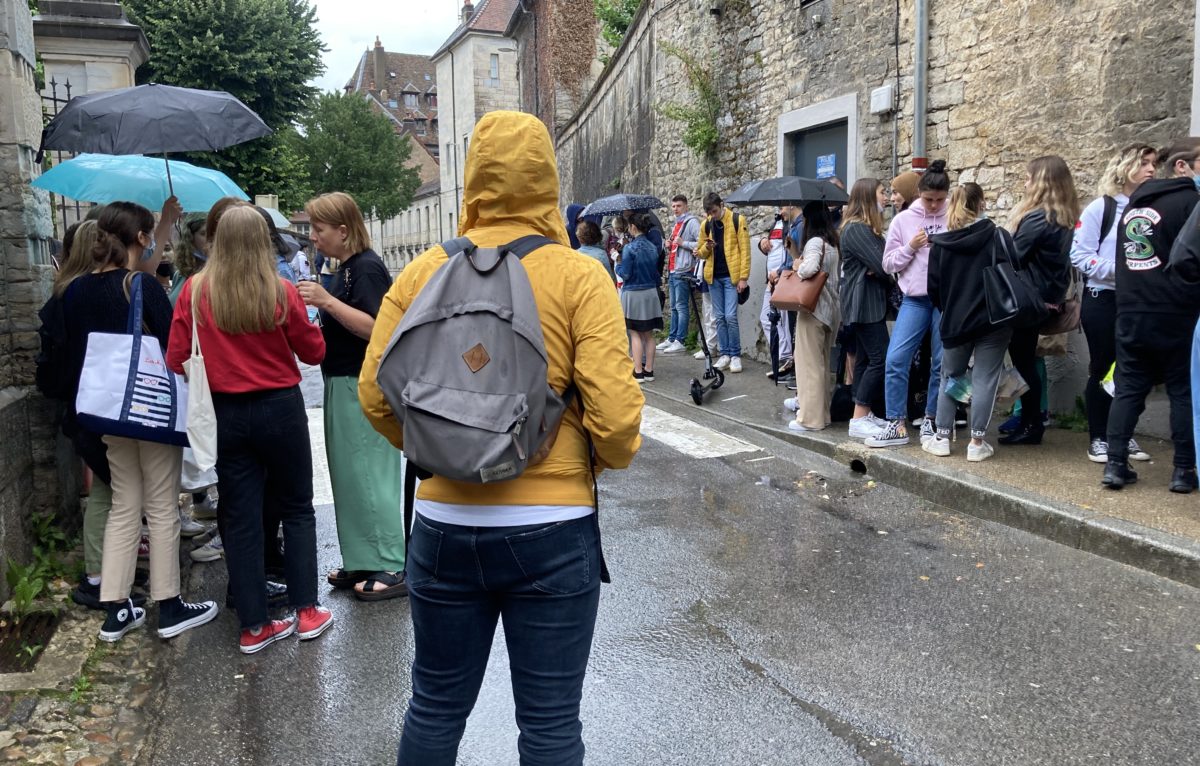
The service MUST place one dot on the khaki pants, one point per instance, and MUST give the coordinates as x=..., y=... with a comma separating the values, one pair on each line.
x=811, y=357
x=145, y=480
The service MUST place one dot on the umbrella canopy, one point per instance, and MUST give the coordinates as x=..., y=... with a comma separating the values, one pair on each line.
x=618, y=203
x=104, y=178
x=152, y=119
x=281, y=222
x=787, y=190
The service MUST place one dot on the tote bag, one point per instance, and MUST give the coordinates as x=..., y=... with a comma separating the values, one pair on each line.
x=795, y=293
x=1010, y=296
x=201, y=417
x=126, y=389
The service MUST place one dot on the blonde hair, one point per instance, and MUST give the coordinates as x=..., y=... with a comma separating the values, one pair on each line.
x=243, y=290
x=1121, y=167
x=339, y=209
x=78, y=259
x=863, y=206
x=966, y=205
x=1053, y=191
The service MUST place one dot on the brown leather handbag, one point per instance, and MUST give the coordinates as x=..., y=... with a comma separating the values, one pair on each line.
x=793, y=293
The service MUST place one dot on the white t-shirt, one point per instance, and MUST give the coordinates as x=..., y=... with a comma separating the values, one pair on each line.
x=500, y=515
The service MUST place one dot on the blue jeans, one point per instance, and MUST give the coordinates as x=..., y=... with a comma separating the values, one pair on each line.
x=544, y=582
x=725, y=305
x=680, y=292
x=916, y=317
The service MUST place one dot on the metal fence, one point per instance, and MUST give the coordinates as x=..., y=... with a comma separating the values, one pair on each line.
x=65, y=211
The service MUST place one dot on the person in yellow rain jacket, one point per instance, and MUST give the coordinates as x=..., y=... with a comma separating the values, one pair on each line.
x=725, y=249
x=527, y=549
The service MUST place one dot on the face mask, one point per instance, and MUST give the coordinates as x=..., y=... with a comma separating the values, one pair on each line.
x=148, y=253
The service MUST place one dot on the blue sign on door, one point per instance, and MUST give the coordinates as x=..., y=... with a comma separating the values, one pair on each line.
x=826, y=165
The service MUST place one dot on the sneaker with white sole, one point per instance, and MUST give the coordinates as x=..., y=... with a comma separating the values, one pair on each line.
x=796, y=425
x=881, y=422
x=699, y=354
x=893, y=435
x=189, y=527
x=205, y=511
x=735, y=364
x=123, y=617
x=979, y=453
x=927, y=430
x=1137, y=453
x=313, y=621
x=256, y=639
x=722, y=362
x=1098, y=451
x=790, y=404
x=937, y=446
x=662, y=345
x=674, y=347
x=861, y=428
x=176, y=616
x=210, y=551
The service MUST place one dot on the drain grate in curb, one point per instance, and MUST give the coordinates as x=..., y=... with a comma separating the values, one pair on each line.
x=23, y=641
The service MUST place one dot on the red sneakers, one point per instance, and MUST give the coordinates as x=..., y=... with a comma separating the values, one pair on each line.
x=256, y=639
x=313, y=621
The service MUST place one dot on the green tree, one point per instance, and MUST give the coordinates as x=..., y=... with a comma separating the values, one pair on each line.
x=615, y=17
x=348, y=146
x=265, y=52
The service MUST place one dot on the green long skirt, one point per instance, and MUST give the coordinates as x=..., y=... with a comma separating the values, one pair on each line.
x=365, y=472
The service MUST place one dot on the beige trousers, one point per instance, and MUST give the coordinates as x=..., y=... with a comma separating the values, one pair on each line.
x=145, y=481
x=811, y=357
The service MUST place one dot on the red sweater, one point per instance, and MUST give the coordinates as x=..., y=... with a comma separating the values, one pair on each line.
x=237, y=364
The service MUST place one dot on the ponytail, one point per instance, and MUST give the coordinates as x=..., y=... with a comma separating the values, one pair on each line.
x=109, y=251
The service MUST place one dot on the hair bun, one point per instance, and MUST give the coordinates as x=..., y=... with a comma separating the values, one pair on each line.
x=937, y=166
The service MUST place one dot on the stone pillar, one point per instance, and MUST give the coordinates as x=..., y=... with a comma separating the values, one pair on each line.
x=28, y=468
x=89, y=43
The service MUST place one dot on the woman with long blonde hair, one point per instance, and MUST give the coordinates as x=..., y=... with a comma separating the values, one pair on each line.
x=1094, y=253
x=252, y=325
x=1042, y=225
x=365, y=471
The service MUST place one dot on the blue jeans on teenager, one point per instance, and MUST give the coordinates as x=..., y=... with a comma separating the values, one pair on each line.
x=916, y=317
x=543, y=580
x=725, y=305
x=680, y=288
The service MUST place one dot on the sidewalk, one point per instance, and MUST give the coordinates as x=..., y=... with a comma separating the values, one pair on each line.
x=1051, y=490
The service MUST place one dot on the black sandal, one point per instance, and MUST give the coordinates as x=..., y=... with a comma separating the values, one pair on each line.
x=394, y=586
x=346, y=578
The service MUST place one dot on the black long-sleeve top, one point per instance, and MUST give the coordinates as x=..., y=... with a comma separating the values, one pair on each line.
x=1044, y=249
x=865, y=291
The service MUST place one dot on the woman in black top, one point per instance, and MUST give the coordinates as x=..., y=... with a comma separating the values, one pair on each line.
x=1042, y=226
x=145, y=475
x=364, y=469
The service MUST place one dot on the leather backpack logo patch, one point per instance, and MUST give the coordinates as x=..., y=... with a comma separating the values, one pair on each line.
x=476, y=357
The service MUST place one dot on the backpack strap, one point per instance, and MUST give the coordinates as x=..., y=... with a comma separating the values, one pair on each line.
x=1109, y=218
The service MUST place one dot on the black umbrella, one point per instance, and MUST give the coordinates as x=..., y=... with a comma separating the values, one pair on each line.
x=773, y=315
x=787, y=190
x=619, y=203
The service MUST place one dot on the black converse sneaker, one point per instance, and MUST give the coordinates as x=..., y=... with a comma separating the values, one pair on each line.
x=123, y=617
x=176, y=615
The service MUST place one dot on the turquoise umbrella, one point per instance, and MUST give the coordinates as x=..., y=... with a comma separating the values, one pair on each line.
x=104, y=178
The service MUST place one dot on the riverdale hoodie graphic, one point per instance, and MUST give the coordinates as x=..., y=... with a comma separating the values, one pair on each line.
x=1152, y=220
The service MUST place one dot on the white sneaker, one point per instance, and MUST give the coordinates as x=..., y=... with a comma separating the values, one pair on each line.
x=790, y=404
x=722, y=362
x=189, y=527
x=864, y=427
x=1136, y=452
x=881, y=422
x=936, y=445
x=796, y=425
x=674, y=347
x=210, y=551
x=699, y=354
x=980, y=453
x=735, y=364
x=927, y=431
x=663, y=345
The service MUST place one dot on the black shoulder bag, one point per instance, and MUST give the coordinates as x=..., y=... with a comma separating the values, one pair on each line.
x=1009, y=293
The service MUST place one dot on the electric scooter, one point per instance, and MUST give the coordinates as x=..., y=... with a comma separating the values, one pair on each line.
x=700, y=390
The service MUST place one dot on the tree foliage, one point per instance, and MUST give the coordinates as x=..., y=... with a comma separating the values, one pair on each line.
x=615, y=17
x=265, y=52
x=349, y=146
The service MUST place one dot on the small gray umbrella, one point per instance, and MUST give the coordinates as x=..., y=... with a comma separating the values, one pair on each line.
x=619, y=203
x=152, y=119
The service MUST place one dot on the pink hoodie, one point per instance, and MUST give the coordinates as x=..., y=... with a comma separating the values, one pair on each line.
x=911, y=267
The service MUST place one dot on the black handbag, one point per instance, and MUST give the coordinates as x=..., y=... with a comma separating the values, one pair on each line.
x=1011, y=298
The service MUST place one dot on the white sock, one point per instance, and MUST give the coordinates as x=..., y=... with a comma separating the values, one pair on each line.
x=93, y=580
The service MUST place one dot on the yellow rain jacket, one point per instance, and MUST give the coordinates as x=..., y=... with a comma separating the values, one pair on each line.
x=511, y=191
x=737, y=247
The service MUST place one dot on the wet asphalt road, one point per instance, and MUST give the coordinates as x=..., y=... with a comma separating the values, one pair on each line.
x=769, y=607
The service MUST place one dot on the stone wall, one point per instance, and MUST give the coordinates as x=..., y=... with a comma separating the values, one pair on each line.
x=1007, y=82
x=28, y=469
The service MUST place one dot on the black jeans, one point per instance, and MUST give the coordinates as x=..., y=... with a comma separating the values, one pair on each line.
x=1151, y=349
x=543, y=580
x=263, y=449
x=870, y=363
x=1023, y=350
x=1098, y=315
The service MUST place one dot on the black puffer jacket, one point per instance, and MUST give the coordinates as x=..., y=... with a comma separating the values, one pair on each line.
x=1044, y=250
x=957, y=259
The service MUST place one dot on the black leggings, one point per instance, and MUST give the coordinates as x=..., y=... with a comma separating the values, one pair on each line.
x=1023, y=350
x=1098, y=315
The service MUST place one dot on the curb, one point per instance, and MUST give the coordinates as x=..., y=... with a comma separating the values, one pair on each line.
x=1161, y=553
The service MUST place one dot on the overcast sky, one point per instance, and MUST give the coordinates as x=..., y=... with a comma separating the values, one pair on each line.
x=348, y=28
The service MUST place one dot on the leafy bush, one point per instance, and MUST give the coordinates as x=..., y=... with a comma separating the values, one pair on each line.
x=700, y=132
x=615, y=17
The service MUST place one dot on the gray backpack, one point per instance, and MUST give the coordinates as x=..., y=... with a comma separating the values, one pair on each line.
x=465, y=371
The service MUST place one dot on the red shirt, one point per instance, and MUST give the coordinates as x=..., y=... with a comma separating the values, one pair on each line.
x=238, y=364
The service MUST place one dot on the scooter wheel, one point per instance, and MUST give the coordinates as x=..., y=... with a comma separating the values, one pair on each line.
x=697, y=392
x=719, y=381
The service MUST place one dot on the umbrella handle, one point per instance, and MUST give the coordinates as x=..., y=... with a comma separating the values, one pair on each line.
x=171, y=193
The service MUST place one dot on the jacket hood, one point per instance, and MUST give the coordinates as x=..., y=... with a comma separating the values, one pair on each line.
x=919, y=207
x=511, y=177
x=1155, y=188
x=970, y=239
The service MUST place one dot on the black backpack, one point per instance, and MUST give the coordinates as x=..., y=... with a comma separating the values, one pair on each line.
x=52, y=376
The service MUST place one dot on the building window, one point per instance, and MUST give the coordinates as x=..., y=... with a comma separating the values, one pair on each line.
x=466, y=141
x=420, y=127
x=410, y=99
x=392, y=104
x=432, y=100
x=820, y=140
x=494, y=70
